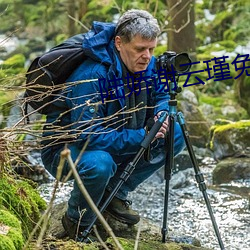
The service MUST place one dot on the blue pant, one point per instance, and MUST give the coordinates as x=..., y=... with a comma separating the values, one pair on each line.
x=99, y=171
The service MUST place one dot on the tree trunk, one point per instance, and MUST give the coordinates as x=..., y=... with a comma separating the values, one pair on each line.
x=72, y=13
x=181, y=29
x=83, y=7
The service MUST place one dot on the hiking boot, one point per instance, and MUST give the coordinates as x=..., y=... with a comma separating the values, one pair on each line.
x=75, y=231
x=121, y=211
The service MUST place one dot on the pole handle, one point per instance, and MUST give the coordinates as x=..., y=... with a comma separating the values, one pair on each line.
x=153, y=131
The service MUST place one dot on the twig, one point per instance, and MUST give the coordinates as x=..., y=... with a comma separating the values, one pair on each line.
x=176, y=14
x=99, y=238
x=137, y=236
x=66, y=154
x=81, y=213
x=77, y=21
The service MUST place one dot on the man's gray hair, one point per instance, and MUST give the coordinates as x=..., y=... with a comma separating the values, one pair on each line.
x=137, y=22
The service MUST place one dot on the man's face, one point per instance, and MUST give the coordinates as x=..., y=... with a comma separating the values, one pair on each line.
x=137, y=53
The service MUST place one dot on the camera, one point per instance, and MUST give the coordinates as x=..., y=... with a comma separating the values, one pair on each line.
x=169, y=58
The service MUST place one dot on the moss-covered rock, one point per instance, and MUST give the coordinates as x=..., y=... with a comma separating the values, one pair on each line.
x=150, y=235
x=21, y=205
x=128, y=244
x=232, y=139
x=11, y=237
x=22, y=200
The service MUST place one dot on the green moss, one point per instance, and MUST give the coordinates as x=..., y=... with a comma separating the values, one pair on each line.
x=91, y=247
x=13, y=239
x=235, y=125
x=219, y=102
x=212, y=100
x=9, y=219
x=16, y=237
x=6, y=243
x=22, y=200
x=128, y=244
x=174, y=246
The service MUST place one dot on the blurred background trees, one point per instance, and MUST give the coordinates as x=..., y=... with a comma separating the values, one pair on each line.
x=197, y=22
x=203, y=28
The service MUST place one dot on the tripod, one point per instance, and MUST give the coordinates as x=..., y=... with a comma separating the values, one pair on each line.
x=168, y=164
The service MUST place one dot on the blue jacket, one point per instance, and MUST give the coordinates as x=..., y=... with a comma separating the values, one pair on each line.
x=88, y=118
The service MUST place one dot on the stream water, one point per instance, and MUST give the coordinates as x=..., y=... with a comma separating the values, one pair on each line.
x=187, y=212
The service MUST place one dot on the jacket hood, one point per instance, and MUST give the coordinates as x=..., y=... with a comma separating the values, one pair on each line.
x=98, y=42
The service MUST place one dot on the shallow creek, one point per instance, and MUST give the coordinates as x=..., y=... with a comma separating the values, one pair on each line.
x=187, y=212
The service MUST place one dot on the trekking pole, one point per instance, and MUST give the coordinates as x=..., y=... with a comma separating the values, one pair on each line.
x=129, y=168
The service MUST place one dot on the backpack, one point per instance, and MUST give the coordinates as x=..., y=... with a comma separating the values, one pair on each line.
x=47, y=73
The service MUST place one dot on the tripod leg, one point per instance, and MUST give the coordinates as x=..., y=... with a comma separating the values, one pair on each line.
x=168, y=173
x=199, y=176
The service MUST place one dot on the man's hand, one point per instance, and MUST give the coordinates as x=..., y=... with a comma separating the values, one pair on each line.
x=164, y=128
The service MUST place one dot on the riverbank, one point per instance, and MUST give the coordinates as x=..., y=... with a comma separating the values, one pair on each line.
x=188, y=215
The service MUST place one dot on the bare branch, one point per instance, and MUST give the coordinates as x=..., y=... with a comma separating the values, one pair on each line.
x=178, y=13
x=77, y=21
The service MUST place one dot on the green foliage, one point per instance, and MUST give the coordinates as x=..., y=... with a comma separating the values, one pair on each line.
x=160, y=50
x=13, y=66
x=16, y=61
x=212, y=100
x=221, y=22
x=229, y=22
x=24, y=13
x=60, y=38
x=109, y=10
x=5, y=97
